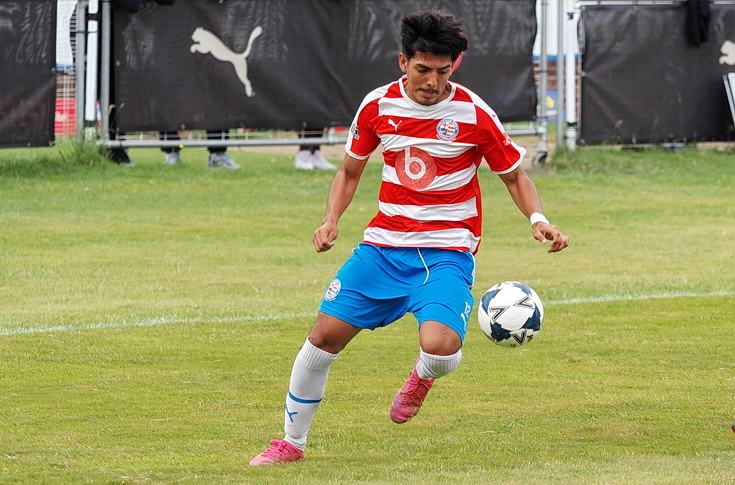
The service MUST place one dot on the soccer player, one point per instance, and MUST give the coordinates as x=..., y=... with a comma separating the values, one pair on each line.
x=417, y=255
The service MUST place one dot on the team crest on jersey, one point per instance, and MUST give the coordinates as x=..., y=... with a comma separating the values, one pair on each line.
x=447, y=129
x=333, y=290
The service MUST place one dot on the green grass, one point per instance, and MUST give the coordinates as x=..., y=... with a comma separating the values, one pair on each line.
x=149, y=317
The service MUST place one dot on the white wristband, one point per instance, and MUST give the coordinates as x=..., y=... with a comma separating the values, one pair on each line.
x=538, y=217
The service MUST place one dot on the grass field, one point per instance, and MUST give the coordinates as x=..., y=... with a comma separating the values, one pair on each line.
x=149, y=317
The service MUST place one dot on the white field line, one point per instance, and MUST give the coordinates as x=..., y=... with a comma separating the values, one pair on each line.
x=149, y=322
x=152, y=322
x=642, y=297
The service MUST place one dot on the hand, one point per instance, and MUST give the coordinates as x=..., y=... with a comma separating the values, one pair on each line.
x=324, y=237
x=544, y=232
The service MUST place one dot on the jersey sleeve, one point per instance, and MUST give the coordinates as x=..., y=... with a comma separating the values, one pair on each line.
x=362, y=139
x=498, y=149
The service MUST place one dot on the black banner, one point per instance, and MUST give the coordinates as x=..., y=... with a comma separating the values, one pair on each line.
x=644, y=80
x=280, y=64
x=27, y=77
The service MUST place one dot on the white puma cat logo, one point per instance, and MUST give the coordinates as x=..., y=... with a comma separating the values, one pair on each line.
x=728, y=49
x=205, y=42
x=394, y=124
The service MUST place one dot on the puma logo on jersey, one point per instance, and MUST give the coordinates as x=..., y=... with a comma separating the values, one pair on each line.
x=205, y=42
x=394, y=124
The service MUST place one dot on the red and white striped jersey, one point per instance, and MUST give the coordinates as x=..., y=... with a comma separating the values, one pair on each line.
x=430, y=195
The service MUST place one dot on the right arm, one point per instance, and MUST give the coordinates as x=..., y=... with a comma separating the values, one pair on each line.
x=341, y=192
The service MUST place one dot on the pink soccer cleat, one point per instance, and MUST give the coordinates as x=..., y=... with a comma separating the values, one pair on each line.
x=279, y=452
x=408, y=401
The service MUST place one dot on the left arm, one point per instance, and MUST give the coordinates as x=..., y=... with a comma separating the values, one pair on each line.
x=524, y=194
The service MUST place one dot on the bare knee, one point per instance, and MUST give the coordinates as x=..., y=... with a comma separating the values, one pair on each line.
x=438, y=339
x=331, y=334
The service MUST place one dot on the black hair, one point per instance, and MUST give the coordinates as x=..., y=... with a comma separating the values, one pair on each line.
x=434, y=33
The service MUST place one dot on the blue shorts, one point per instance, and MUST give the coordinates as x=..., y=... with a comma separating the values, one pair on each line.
x=378, y=285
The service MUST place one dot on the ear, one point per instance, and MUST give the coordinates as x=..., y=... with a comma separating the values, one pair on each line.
x=403, y=62
x=456, y=64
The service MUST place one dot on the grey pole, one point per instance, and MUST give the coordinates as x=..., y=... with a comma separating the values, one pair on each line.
x=560, y=85
x=543, y=140
x=105, y=27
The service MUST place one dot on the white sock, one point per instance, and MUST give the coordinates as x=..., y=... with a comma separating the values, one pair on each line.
x=432, y=366
x=305, y=392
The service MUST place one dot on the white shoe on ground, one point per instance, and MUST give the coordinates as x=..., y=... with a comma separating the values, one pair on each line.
x=172, y=158
x=304, y=160
x=221, y=160
x=321, y=163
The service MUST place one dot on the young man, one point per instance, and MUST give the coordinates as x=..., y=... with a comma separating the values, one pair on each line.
x=417, y=253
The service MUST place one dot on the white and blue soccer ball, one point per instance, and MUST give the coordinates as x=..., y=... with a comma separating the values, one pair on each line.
x=510, y=314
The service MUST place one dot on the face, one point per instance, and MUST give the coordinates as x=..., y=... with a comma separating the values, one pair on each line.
x=428, y=74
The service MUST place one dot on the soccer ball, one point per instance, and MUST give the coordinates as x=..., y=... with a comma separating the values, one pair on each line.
x=510, y=314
